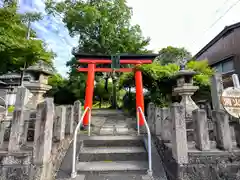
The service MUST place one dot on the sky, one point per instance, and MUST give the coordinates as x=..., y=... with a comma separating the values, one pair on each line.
x=185, y=23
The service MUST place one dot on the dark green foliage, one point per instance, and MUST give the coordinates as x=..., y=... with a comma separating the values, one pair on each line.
x=103, y=27
x=15, y=49
x=172, y=55
x=160, y=80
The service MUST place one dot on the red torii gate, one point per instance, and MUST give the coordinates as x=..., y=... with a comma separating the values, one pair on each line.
x=92, y=60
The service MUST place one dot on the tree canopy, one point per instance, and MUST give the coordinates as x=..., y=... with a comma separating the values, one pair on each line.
x=172, y=54
x=103, y=26
x=159, y=80
x=15, y=49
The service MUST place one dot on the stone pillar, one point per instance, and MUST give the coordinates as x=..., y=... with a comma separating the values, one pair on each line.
x=179, y=135
x=69, y=128
x=237, y=133
x=216, y=91
x=223, y=133
x=158, y=121
x=2, y=132
x=201, y=129
x=166, y=121
x=43, y=139
x=59, y=123
x=17, y=130
x=26, y=117
x=77, y=112
x=151, y=117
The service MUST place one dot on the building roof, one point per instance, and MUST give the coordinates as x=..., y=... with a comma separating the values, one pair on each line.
x=41, y=66
x=219, y=36
x=2, y=83
x=13, y=75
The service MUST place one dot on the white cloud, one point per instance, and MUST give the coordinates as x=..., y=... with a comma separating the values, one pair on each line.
x=53, y=32
x=166, y=22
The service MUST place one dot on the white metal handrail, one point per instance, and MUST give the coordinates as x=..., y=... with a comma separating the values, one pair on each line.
x=74, y=173
x=139, y=110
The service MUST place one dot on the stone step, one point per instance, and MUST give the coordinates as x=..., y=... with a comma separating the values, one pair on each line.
x=114, y=130
x=116, y=166
x=119, y=176
x=113, y=141
x=88, y=154
x=107, y=131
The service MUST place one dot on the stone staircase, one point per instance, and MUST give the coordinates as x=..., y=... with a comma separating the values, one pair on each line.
x=112, y=152
x=111, y=157
x=108, y=158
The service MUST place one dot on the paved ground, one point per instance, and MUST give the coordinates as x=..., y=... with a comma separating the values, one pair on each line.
x=112, y=122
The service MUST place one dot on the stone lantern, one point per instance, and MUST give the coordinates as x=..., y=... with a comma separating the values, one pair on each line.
x=38, y=83
x=186, y=89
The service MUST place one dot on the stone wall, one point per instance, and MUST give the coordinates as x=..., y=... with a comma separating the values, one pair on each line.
x=34, y=142
x=212, y=153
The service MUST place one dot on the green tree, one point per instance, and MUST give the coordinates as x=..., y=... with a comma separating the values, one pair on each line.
x=159, y=80
x=15, y=49
x=61, y=91
x=172, y=54
x=103, y=27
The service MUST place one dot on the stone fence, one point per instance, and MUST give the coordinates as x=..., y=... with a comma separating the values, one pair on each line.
x=189, y=142
x=34, y=142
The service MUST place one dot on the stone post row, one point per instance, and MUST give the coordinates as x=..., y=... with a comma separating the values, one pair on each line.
x=223, y=132
x=69, y=129
x=159, y=121
x=179, y=135
x=166, y=124
x=17, y=130
x=4, y=122
x=77, y=112
x=59, y=123
x=201, y=129
x=151, y=117
x=43, y=140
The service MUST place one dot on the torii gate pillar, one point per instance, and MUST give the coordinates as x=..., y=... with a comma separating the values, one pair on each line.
x=89, y=91
x=139, y=95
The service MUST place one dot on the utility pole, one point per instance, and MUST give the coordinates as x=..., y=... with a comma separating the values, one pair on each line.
x=24, y=67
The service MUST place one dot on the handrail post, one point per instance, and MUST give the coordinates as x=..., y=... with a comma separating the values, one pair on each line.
x=149, y=143
x=74, y=173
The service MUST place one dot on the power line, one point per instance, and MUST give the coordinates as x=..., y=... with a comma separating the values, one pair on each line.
x=233, y=5
x=225, y=2
x=215, y=22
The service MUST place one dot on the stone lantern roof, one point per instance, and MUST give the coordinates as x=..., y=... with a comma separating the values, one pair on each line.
x=187, y=72
x=41, y=67
x=12, y=75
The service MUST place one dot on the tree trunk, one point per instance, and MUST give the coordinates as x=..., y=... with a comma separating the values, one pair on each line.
x=114, y=97
x=100, y=102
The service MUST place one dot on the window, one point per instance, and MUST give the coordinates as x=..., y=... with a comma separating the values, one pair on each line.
x=225, y=66
x=218, y=68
